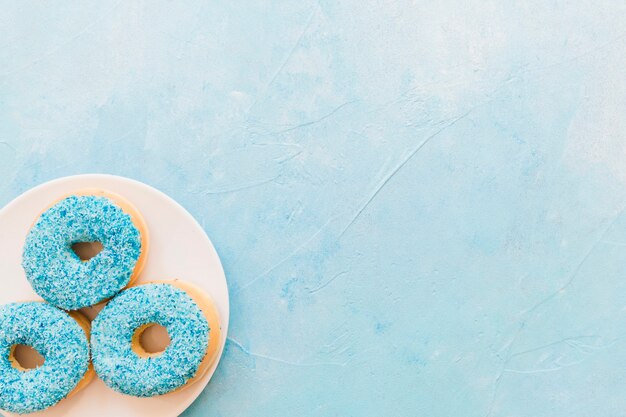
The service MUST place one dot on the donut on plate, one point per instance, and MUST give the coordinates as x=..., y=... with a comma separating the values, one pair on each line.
x=192, y=323
x=59, y=275
x=63, y=341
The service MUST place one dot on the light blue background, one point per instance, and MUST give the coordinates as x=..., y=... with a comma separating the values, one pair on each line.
x=419, y=204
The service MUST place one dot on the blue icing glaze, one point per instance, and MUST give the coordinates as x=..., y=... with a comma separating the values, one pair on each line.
x=112, y=331
x=58, y=338
x=54, y=270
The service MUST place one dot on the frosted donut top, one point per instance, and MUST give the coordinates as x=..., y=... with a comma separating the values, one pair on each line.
x=58, y=338
x=124, y=370
x=54, y=270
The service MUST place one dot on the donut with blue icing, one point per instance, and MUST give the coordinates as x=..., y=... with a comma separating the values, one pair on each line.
x=192, y=324
x=59, y=275
x=63, y=341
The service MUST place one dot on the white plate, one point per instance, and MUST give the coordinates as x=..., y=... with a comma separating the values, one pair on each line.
x=179, y=248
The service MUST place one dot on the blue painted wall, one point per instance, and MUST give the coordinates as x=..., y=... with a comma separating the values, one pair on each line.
x=419, y=205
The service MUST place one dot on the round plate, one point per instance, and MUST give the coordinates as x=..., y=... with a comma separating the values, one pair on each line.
x=179, y=248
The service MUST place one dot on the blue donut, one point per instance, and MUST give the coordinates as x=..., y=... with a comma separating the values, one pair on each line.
x=116, y=357
x=58, y=338
x=54, y=270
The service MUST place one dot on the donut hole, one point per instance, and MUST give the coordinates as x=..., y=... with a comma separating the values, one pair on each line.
x=87, y=250
x=25, y=358
x=150, y=340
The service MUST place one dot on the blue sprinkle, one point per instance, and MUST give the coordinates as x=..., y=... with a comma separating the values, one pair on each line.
x=121, y=368
x=58, y=275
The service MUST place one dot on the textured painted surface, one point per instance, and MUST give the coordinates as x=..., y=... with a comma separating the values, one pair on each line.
x=419, y=205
